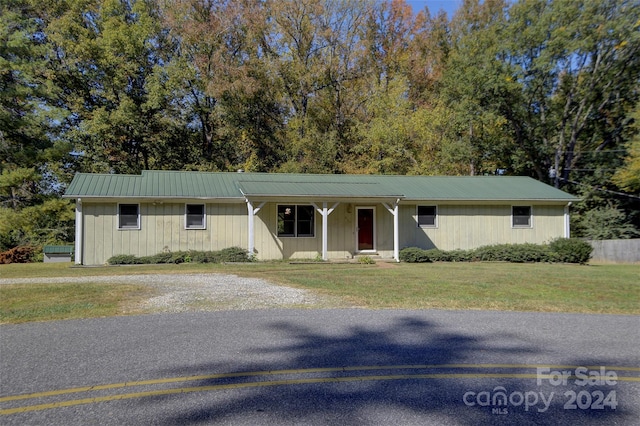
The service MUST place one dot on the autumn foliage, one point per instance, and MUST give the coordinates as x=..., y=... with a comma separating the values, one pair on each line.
x=531, y=87
x=20, y=254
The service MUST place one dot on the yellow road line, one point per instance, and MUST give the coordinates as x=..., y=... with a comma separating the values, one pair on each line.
x=256, y=384
x=280, y=382
x=292, y=371
x=174, y=391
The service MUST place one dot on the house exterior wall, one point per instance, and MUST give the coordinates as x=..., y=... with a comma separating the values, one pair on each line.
x=269, y=246
x=341, y=237
x=471, y=226
x=162, y=227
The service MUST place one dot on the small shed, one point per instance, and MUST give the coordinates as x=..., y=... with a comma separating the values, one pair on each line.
x=57, y=254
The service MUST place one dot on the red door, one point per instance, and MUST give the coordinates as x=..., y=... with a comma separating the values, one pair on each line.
x=365, y=229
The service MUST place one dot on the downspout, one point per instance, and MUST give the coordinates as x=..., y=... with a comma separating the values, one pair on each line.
x=567, y=222
x=79, y=223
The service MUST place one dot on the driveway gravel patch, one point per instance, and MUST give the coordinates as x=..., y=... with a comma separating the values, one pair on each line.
x=199, y=292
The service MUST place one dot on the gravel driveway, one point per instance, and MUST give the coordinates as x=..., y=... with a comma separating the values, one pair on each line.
x=200, y=292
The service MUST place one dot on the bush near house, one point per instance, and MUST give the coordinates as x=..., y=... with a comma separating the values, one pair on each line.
x=20, y=254
x=230, y=254
x=571, y=250
x=563, y=250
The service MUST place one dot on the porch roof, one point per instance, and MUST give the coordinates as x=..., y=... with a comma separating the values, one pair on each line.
x=226, y=185
x=330, y=188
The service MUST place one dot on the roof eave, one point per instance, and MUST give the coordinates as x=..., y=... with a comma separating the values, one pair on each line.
x=149, y=197
x=323, y=196
x=496, y=200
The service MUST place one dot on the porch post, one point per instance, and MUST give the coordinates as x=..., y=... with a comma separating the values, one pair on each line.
x=325, y=212
x=325, y=231
x=78, y=242
x=396, y=228
x=567, y=222
x=251, y=244
x=251, y=217
x=396, y=233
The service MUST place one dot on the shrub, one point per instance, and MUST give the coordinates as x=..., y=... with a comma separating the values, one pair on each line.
x=178, y=257
x=366, y=260
x=516, y=253
x=233, y=254
x=414, y=255
x=491, y=253
x=563, y=250
x=520, y=253
x=205, y=256
x=571, y=250
x=435, y=255
x=20, y=254
x=459, y=256
x=124, y=259
x=164, y=257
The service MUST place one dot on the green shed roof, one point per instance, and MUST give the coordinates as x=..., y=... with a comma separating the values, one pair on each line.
x=58, y=249
x=204, y=185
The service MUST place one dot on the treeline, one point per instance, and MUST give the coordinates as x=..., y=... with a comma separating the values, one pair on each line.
x=542, y=88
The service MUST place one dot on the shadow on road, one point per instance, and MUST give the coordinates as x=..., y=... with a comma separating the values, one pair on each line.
x=402, y=341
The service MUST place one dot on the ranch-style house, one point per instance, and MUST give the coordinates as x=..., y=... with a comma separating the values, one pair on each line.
x=303, y=216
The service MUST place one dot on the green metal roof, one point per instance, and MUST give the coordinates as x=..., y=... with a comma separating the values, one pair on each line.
x=58, y=249
x=330, y=188
x=204, y=185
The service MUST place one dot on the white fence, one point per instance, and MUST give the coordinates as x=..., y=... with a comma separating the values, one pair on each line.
x=622, y=251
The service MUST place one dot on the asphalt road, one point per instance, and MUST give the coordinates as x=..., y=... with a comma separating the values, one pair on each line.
x=346, y=367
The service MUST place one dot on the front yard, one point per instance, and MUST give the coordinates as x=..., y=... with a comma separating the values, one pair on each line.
x=600, y=288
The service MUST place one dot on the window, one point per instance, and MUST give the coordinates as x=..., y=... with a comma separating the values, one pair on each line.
x=427, y=216
x=521, y=216
x=128, y=216
x=195, y=217
x=295, y=221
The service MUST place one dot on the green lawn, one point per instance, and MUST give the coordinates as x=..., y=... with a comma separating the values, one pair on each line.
x=613, y=289
x=45, y=302
x=496, y=286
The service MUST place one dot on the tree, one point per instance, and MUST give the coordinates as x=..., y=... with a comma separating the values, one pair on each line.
x=385, y=143
x=106, y=51
x=315, y=49
x=474, y=84
x=34, y=162
x=390, y=28
x=604, y=223
x=213, y=80
x=628, y=176
x=429, y=48
x=577, y=64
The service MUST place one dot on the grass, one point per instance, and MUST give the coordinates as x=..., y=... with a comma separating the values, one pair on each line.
x=44, y=302
x=44, y=270
x=610, y=289
x=603, y=288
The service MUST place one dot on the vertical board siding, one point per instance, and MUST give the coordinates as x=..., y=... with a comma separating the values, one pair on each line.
x=468, y=226
x=162, y=228
x=270, y=246
x=340, y=236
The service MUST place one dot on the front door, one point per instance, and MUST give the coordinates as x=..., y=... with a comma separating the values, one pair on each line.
x=366, y=229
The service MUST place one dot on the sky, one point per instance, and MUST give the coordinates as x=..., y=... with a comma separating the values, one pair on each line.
x=448, y=6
